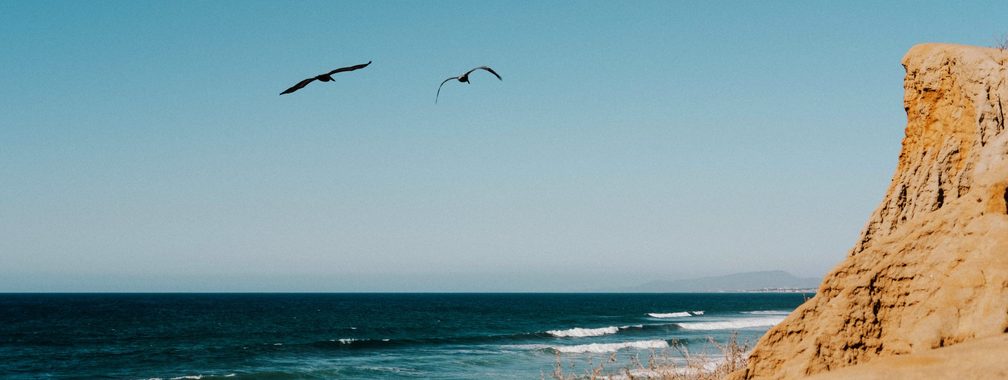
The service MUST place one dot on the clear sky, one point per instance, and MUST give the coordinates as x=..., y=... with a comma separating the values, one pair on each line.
x=143, y=144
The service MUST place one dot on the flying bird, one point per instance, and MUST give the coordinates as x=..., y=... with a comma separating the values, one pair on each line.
x=464, y=78
x=327, y=77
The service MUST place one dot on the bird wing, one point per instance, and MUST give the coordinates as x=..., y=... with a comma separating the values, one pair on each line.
x=439, y=88
x=349, y=68
x=487, y=69
x=298, y=86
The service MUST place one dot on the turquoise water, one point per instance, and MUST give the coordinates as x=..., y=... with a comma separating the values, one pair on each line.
x=360, y=336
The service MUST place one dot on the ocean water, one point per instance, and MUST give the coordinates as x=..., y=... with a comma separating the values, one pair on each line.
x=362, y=336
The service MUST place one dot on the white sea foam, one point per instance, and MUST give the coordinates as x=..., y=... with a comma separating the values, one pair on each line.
x=389, y=369
x=697, y=312
x=638, y=326
x=678, y=371
x=347, y=340
x=768, y=312
x=525, y=347
x=740, y=323
x=610, y=347
x=188, y=377
x=678, y=314
x=578, y=332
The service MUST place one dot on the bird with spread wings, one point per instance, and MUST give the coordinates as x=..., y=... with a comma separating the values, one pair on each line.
x=464, y=78
x=327, y=77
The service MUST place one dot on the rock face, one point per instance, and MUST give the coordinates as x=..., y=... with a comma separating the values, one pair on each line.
x=982, y=358
x=930, y=268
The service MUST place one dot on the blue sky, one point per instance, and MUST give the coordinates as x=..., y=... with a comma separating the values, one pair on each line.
x=144, y=146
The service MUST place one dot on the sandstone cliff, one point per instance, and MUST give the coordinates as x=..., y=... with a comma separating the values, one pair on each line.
x=930, y=268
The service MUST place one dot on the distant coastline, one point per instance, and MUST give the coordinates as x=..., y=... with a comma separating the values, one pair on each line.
x=748, y=282
x=782, y=290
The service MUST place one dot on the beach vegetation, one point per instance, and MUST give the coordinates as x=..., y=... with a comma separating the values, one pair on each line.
x=1001, y=43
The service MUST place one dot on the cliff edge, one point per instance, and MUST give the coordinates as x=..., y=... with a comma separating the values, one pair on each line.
x=930, y=268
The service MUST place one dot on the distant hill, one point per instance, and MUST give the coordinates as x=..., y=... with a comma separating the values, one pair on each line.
x=738, y=282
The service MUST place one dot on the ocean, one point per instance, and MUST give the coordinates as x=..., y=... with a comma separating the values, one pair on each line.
x=363, y=336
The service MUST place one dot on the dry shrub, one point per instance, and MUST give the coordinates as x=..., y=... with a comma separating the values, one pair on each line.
x=1001, y=43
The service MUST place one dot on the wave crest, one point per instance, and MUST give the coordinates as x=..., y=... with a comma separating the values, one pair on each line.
x=768, y=312
x=609, y=347
x=678, y=314
x=579, y=332
x=740, y=323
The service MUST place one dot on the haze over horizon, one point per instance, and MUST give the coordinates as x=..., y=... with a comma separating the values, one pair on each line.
x=144, y=142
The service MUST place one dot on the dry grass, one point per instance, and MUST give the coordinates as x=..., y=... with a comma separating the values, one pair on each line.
x=676, y=363
x=1001, y=43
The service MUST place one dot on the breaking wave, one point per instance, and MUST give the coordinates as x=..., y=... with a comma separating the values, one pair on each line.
x=610, y=347
x=578, y=332
x=768, y=312
x=740, y=323
x=678, y=314
x=596, y=348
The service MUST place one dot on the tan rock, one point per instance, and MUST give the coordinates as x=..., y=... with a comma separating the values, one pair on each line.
x=931, y=266
x=982, y=358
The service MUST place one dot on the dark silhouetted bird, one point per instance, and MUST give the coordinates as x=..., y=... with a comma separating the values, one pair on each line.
x=464, y=78
x=327, y=77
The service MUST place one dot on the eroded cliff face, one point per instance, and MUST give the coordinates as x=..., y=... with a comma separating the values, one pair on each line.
x=931, y=266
